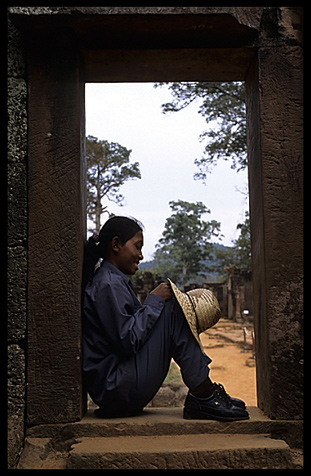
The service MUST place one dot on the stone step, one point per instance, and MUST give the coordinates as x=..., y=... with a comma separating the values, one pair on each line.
x=56, y=445
x=169, y=421
x=198, y=451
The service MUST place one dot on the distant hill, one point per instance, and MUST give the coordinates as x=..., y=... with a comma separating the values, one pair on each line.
x=210, y=277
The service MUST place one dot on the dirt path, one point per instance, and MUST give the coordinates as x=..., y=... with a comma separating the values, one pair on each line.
x=230, y=364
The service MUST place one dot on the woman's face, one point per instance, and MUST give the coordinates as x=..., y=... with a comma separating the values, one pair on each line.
x=130, y=254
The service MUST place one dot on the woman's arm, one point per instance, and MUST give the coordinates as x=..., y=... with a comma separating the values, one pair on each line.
x=126, y=325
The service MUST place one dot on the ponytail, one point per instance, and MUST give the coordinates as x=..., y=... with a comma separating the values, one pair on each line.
x=90, y=259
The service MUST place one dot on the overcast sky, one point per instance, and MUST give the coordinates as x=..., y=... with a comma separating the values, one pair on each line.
x=165, y=147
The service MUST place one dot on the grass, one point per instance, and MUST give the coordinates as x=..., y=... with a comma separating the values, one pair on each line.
x=174, y=375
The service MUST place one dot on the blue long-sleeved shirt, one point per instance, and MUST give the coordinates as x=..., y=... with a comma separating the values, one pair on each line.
x=115, y=326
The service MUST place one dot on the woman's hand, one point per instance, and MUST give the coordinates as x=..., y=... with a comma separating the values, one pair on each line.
x=164, y=291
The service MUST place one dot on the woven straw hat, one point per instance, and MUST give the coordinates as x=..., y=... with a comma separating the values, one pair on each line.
x=200, y=307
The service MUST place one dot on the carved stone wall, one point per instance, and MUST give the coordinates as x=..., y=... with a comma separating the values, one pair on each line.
x=17, y=241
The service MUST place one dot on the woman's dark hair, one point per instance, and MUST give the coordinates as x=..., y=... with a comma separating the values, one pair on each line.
x=123, y=227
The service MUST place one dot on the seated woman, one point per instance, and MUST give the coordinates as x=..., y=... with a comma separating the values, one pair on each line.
x=128, y=347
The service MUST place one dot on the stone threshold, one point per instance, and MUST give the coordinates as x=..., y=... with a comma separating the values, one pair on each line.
x=67, y=445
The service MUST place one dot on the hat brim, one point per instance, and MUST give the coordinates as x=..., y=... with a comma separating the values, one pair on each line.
x=188, y=310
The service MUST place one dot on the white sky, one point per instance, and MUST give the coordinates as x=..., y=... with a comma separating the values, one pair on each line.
x=165, y=147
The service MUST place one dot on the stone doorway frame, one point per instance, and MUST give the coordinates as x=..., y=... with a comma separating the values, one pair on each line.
x=66, y=48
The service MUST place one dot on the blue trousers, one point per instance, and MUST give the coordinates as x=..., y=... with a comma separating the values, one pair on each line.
x=170, y=338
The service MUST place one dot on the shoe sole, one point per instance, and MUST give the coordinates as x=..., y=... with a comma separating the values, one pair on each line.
x=191, y=414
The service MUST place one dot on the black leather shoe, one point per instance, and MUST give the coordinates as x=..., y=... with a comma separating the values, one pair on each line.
x=216, y=407
x=235, y=401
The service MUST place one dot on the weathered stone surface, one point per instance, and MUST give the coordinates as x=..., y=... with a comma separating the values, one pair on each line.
x=37, y=451
x=17, y=242
x=56, y=229
x=15, y=53
x=180, y=452
x=16, y=378
x=16, y=401
x=169, y=421
x=286, y=337
x=274, y=104
x=17, y=289
x=17, y=120
x=17, y=204
x=156, y=437
x=249, y=16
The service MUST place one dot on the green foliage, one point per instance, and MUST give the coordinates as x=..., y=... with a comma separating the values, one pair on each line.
x=240, y=254
x=108, y=167
x=220, y=258
x=217, y=257
x=242, y=245
x=223, y=106
x=185, y=241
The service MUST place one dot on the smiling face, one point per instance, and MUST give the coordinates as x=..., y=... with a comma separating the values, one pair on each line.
x=127, y=256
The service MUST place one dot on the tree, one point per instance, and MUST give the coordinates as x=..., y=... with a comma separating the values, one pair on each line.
x=240, y=254
x=223, y=106
x=185, y=241
x=108, y=168
x=242, y=246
